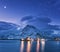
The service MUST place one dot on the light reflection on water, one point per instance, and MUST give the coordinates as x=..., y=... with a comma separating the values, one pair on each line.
x=22, y=46
x=28, y=49
x=29, y=46
x=38, y=45
x=42, y=45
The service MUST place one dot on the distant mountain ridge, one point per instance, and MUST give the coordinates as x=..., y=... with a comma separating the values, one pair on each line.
x=7, y=29
x=14, y=31
x=7, y=26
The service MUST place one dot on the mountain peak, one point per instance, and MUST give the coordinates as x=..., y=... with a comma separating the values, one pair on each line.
x=30, y=26
x=29, y=31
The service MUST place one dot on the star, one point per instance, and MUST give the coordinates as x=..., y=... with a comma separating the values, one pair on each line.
x=5, y=7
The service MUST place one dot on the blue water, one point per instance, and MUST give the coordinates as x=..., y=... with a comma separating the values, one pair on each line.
x=29, y=46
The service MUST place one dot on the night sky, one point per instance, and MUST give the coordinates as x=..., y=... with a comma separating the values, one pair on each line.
x=41, y=13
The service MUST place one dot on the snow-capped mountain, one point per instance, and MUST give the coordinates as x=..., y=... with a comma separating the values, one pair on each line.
x=8, y=29
x=13, y=31
x=30, y=31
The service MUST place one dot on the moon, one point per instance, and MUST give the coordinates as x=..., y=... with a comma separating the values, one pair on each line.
x=5, y=7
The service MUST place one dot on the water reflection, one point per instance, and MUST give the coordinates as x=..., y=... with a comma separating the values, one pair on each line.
x=38, y=45
x=57, y=42
x=42, y=45
x=27, y=46
x=22, y=46
x=29, y=43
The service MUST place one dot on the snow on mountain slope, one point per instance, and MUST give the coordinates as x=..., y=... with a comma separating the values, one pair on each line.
x=13, y=31
x=8, y=29
x=30, y=31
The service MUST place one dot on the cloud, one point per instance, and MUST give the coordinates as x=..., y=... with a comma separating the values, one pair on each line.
x=36, y=21
x=43, y=19
x=39, y=19
x=26, y=18
x=41, y=23
x=53, y=27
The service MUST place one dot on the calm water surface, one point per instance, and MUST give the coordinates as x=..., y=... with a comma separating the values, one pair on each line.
x=29, y=46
